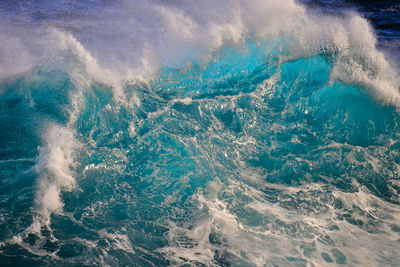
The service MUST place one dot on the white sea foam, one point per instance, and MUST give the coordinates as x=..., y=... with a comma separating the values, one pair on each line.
x=284, y=233
x=146, y=35
x=54, y=167
x=121, y=241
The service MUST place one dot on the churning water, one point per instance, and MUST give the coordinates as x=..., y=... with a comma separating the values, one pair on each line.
x=205, y=133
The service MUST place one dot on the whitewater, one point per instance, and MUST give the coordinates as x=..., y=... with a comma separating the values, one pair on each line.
x=196, y=133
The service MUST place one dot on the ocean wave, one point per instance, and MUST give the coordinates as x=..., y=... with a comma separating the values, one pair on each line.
x=170, y=133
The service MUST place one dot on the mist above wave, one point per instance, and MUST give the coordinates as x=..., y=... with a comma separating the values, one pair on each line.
x=125, y=40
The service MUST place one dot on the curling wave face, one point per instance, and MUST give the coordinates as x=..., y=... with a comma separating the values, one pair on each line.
x=167, y=133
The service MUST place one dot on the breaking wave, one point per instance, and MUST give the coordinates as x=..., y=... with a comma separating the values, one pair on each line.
x=245, y=133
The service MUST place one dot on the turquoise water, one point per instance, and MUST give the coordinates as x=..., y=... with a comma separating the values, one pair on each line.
x=259, y=156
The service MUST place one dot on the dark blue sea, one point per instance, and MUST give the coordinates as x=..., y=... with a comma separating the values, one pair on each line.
x=199, y=133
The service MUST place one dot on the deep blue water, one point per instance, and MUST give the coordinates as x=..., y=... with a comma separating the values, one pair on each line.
x=218, y=133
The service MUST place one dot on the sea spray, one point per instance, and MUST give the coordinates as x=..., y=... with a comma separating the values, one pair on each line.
x=171, y=133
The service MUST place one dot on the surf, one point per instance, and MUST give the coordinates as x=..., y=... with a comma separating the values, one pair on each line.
x=173, y=134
